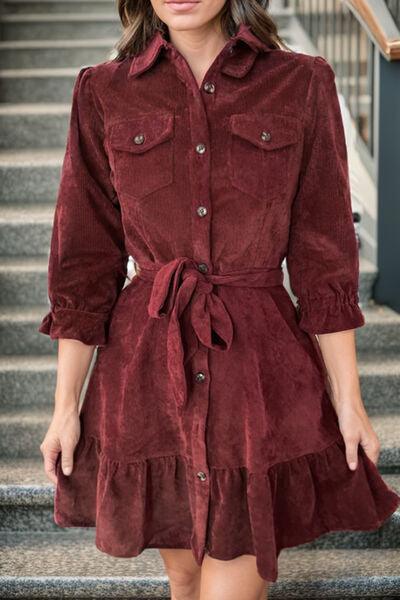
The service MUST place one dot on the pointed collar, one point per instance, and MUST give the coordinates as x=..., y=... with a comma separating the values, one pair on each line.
x=237, y=66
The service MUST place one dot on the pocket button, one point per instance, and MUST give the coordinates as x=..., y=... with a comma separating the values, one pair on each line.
x=139, y=139
x=265, y=136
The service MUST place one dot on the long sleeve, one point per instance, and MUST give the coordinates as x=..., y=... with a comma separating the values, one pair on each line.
x=322, y=257
x=88, y=260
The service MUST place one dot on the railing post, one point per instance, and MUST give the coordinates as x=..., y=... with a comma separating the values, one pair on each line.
x=387, y=285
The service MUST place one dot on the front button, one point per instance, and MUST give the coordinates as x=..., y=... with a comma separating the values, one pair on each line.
x=200, y=148
x=265, y=136
x=201, y=475
x=201, y=211
x=202, y=267
x=139, y=139
x=209, y=87
x=200, y=376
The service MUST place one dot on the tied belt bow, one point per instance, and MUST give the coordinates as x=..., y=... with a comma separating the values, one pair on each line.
x=196, y=313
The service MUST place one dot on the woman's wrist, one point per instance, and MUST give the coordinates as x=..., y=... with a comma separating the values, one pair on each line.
x=66, y=401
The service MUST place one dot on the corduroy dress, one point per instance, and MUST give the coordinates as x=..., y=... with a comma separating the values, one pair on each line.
x=207, y=422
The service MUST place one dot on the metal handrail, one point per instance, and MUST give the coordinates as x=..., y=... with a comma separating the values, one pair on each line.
x=381, y=21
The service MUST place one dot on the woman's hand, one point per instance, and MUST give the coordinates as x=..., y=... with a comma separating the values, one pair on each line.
x=339, y=354
x=74, y=358
x=62, y=435
x=356, y=428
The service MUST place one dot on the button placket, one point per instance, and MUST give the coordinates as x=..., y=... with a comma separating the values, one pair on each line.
x=200, y=174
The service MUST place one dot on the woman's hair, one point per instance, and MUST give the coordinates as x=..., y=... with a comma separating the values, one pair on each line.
x=140, y=22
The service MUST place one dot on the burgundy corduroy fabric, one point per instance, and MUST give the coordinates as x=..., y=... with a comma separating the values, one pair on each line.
x=207, y=422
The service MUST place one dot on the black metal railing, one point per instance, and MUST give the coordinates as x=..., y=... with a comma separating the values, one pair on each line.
x=339, y=37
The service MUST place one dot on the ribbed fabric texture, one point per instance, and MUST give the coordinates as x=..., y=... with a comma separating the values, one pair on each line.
x=207, y=422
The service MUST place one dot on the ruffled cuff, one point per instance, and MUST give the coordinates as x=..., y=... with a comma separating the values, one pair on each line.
x=87, y=327
x=329, y=313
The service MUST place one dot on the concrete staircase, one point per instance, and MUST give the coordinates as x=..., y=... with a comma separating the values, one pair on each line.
x=43, y=45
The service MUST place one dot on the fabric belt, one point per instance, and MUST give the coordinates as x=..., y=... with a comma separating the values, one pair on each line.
x=182, y=291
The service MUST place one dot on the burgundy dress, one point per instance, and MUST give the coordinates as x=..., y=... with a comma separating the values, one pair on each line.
x=207, y=423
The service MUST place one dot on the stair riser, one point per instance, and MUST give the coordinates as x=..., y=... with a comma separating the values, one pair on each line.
x=75, y=29
x=59, y=7
x=24, y=131
x=23, y=339
x=29, y=184
x=379, y=337
x=38, y=89
x=27, y=388
x=24, y=388
x=39, y=517
x=31, y=58
x=22, y=440
x=24, y=239
x=63, y=29
x=25, y=288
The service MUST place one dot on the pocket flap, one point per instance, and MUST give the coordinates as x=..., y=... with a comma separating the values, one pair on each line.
x=267, y=131
x=141, y=133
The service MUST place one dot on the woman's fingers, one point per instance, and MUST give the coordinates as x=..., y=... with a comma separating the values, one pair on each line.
x=356, y=428
x=67, y=456
x=351, y=451
x=50, y=452
x=62, y=436
x=371, y=445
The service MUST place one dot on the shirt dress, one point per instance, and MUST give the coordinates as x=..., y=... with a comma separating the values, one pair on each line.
x=207, y=422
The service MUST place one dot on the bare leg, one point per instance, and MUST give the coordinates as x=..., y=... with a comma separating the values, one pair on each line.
x=183, y=573
x=235, y=579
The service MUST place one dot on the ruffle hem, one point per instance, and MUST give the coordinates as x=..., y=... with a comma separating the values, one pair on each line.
x=145, y=504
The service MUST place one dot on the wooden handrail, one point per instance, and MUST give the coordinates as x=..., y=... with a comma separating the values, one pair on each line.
x=377, y=20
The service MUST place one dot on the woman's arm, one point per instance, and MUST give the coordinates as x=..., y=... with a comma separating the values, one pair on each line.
x=339, y=353
x=87, y=265
x=74, y=359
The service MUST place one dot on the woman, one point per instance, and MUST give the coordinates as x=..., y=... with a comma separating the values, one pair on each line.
x=216, y=427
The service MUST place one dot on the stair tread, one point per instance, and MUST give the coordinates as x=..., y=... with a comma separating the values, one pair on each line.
x=73, y=554
x=26, y=213
x=40, y=72
x=373, y=314
x=35, y=44
x=28, y=363
x=386, y=425
x=33, y=108
x=27, y=157
x=28, y=472
x=62, y=17
x=23, y=264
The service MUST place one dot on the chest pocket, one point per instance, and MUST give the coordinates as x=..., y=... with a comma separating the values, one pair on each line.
x=261, y=151
x=142, y=149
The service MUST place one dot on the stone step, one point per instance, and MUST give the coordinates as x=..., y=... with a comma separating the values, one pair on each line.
x=18, y=332
x=25, y=229
x=23, y=279
x=19, y=335
x=67, y=564
x=22, y=431
x=38, y=85
x=381, y=333
x=71, y=25
x=29, y=130
x=29, y=177
x=35, y=54
x=27, y=381
x=66, y=26
x=27, y=496
x=58, y=6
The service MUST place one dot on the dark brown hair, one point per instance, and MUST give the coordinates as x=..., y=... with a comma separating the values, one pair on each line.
x=139, y=22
